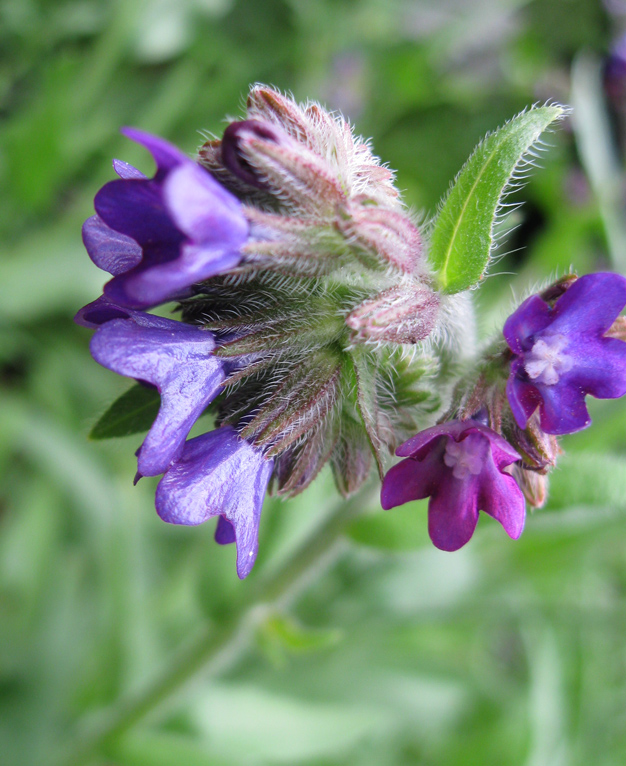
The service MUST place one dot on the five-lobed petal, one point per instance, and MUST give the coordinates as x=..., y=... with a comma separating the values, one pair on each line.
x=460, y=466
x=218, y=474
x=561, y=354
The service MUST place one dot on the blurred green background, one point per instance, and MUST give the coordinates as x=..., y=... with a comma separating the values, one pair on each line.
x=503, y=653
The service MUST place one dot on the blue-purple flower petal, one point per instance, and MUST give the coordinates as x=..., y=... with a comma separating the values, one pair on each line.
x=561, y=354
x=159, y=236
x=532, y=316
x=135, y=208
x=124, y=170
x=166, y=155
x=224, y=532
x=175, y=358
x=108, y=249
x=100, y=311
x=590, y=305
x=202, y=209
x=218, y=474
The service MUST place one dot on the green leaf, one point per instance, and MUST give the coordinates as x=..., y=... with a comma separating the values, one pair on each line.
x=133, y=412
x=463, y=234
x=400, y=529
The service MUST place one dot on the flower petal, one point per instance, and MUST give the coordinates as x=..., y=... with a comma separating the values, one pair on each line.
x=563, y=409
x=500, y=497
x=166, y=155
x=599, y=367
x=590, y=305
x=174, y=357
x=524, y=398
x=135, y=208
x=205, y=211
x=145, y=287
x=416, y=444
x=100, y=311
x=108, y=249
x=411, y=480
x=124, y=170
x=453, y=512
x=531, y=317
x=218, y=474
x=224, y=532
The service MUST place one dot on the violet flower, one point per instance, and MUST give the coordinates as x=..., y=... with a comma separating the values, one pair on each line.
x=174, y=357
x=459, y=465
x=159, y=236
x=218, y=474
x=561, y=354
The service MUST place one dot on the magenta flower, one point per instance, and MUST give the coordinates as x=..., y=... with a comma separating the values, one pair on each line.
x=561, y=354
x=174, y=357
x=218, y=474
x=159, y=236
x=459, y=465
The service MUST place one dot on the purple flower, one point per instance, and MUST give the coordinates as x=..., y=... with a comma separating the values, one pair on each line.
x=174, y=357
x=218, y=474
x=159, y=236
x=459, y=465
x=561, y=354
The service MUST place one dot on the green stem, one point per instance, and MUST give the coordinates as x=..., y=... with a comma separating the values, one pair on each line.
x=212, y=645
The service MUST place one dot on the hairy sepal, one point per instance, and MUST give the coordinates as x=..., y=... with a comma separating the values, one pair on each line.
x=366, y=386
x=351, y=460
x=462, y=237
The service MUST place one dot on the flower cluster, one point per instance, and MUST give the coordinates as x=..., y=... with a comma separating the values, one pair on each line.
x=561, y=347
x=299, y=277
x=301, y=283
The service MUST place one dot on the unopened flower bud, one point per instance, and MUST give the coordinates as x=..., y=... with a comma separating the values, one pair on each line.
x=382, y=237
x=234, y=158
x=533, y=484
x=539, y=450
x=405, y=314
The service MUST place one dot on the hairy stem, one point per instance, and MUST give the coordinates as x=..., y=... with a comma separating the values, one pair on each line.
x=213, y=646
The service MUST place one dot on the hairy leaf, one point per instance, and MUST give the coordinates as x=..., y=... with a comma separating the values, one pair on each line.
x=463, y=234
x=132, y=413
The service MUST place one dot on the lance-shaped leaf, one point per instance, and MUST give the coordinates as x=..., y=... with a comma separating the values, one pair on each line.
x=462, y=238
x=133, y=412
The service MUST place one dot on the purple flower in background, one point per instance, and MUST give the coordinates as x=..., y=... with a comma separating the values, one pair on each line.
x=218, y=474
x=561, y=354
x=174, y=357
x=459, y=465
x=159, y=236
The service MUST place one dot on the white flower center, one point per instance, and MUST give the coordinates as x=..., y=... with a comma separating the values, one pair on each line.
x=546, y=361
x=464, y=458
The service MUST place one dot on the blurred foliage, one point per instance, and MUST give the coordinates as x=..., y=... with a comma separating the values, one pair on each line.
x=504, y=653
